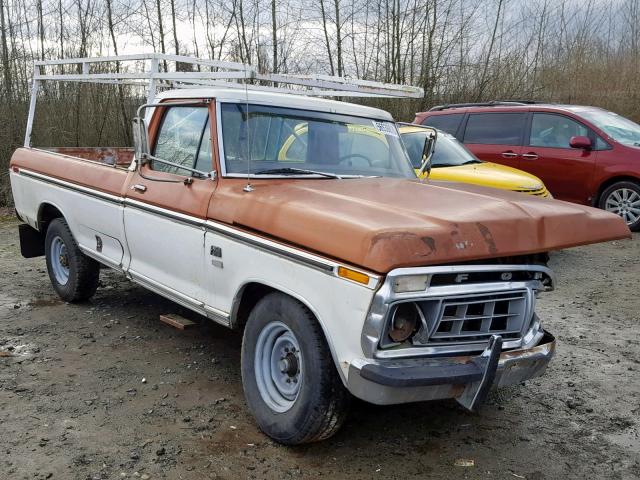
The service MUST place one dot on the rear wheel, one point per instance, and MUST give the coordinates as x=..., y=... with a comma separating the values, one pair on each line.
x=74, y=276
x=290, y=381
x=623, y=198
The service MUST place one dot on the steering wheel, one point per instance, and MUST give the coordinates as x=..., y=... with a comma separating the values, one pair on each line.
x=344, y=159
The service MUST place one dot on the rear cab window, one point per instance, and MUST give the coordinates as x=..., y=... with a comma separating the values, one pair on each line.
x=495, y=128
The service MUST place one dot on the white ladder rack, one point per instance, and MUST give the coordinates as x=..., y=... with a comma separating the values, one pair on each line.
x=145, y=70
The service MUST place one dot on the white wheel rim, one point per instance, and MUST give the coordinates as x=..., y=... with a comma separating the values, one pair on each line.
x=278, y=366
x=624, y=202
x=59, y=260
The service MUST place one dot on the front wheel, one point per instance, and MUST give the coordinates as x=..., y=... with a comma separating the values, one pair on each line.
x=623, y=198
x=290, y=381
x=74, y=276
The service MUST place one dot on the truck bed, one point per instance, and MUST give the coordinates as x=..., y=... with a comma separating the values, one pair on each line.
x=104, y=169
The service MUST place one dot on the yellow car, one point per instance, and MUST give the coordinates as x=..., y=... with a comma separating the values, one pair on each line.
x=451, y=161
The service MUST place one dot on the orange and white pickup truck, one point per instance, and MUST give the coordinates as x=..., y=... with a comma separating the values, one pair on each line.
x=347, y=274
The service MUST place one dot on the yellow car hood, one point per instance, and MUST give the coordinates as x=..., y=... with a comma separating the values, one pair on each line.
x=489, y=175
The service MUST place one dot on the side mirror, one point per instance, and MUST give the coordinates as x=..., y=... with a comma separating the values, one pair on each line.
x=140, y=140
x=580, y=142
x=427, y=153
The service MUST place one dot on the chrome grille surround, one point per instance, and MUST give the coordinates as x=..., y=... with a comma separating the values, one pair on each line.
x=459, y=317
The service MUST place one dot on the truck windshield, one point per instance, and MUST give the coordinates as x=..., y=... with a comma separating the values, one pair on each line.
x=283, y=141
x=616, y=126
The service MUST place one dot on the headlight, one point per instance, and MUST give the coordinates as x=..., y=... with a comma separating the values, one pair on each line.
x=404, y=322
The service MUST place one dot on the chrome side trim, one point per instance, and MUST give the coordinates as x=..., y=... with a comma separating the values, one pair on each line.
x=71, y=186
x=272, y=247
x=163, y=212
x=182, y=299
x=101, y=258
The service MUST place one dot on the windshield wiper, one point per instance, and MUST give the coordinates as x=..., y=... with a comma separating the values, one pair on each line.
x=469, y=162
x=294, y=171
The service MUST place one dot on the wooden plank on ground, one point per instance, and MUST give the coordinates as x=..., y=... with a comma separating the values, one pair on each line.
x=177, y=321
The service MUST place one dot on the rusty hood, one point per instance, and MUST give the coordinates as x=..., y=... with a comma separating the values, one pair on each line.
x=382, y=223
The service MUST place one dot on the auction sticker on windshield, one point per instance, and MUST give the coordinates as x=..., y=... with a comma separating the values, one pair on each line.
x=385, y=127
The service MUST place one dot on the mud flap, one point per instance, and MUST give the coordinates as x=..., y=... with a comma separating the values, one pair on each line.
x=31, y=241
x=475, y=393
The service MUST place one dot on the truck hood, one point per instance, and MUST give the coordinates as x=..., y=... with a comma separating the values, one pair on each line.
x=381, y=223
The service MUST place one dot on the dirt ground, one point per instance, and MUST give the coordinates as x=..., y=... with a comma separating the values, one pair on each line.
x=103, y=390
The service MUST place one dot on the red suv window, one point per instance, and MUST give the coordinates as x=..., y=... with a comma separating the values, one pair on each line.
x=555, y=131
x=447, y=123
x=495, y=128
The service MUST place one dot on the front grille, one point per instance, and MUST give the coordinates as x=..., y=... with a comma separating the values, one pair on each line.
x=461, y=307
x=475, y=318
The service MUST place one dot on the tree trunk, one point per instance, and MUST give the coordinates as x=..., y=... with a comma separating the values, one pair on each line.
x=274, y=36
x=175, y=32
x=123, y=108
x=326, y=36
x=338, y=37
x=161, y=32
x=40, y=28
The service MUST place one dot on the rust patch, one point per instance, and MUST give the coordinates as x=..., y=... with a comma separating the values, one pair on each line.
x=397, y=245
x=487, y=237
x=430, y=243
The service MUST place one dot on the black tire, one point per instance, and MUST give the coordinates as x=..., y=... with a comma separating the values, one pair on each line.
x=321, y=405
x=83, y=272
x=620, y=186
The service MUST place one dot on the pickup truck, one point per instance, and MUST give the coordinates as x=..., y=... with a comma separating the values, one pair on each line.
x=348, y=275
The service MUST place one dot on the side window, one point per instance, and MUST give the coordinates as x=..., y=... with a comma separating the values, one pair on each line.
x=179, y=138
x=446, y=123
x=554, y=131
x=495, y=128
x=601, y=144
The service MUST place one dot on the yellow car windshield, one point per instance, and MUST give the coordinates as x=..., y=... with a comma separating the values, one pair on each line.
x=448, y=152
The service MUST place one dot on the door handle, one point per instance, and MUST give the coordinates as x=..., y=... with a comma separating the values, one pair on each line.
x=529, y=156
x=509, y=154
x=139, y=188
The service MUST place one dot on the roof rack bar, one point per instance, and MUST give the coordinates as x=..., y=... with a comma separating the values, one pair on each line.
x=145, y=57
x=331, y=86
x=492, y=103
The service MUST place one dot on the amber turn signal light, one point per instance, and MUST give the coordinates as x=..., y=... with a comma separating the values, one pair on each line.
x=353, y=275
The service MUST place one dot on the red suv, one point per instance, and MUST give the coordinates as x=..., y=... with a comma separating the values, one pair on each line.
x=583, y=154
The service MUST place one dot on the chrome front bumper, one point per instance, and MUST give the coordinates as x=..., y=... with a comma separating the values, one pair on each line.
x=465, y=378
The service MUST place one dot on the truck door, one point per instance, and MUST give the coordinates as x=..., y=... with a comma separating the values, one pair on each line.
x=166, y=207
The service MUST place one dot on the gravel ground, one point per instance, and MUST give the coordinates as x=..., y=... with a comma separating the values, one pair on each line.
x=104, y=390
